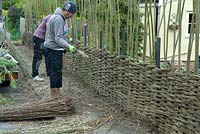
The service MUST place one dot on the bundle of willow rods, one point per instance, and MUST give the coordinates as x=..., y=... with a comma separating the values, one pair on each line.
x=38, y=110
x=22, y=64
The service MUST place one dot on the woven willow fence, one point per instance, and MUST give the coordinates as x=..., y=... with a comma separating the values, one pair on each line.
x=172, y=103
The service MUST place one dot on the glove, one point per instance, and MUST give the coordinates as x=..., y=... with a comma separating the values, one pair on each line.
x=71, y=48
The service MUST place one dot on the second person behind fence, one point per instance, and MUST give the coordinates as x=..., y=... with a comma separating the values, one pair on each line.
x=38, y=40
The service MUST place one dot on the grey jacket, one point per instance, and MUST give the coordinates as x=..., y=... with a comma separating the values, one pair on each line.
x=55, y=37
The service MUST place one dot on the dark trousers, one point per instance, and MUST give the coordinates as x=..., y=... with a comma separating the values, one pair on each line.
x=38, y=53
x=54, y=60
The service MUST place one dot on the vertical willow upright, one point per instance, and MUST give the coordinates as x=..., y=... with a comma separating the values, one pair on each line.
x=36, y=10
x=111, y=17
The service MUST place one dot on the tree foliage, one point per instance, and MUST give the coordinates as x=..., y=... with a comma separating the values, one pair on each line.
x=6, y=4
x=14, y=14
x=14, y=8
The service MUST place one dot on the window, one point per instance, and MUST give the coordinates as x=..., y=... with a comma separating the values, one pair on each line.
x=190, y=28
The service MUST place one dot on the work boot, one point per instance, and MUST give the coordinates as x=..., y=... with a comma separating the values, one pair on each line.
x=55, y=92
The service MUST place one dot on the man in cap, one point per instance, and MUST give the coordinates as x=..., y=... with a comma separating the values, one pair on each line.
x=56, y=43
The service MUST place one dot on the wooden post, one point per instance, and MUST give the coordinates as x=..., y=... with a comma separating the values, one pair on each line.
x=101, y=38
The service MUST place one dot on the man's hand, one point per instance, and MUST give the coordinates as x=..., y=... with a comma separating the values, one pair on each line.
x=71, y=48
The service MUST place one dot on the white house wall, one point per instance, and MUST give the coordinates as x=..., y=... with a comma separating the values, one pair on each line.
x=185, y=36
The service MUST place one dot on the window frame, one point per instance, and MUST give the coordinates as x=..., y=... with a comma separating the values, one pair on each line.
x=190, y=23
